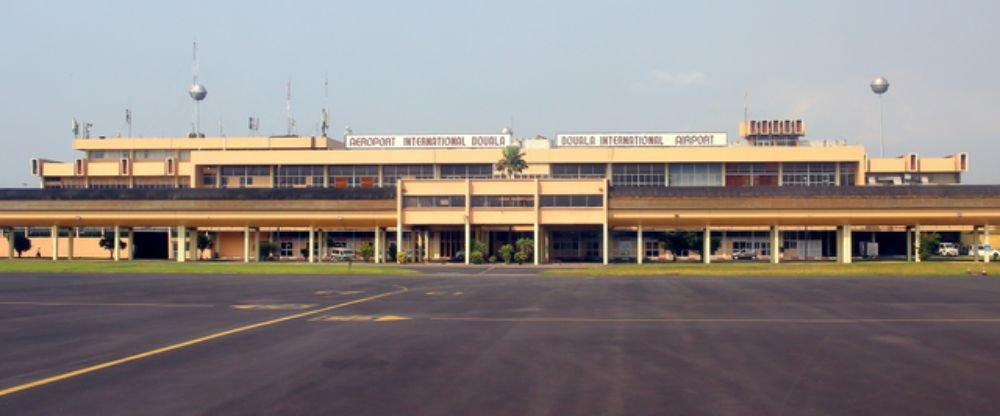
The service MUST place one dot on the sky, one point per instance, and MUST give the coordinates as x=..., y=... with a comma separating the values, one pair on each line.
x=539, y=67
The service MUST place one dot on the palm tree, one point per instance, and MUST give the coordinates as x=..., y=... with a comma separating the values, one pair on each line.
x=512, y=161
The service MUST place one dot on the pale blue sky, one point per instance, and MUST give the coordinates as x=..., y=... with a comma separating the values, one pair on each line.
x=542, y=66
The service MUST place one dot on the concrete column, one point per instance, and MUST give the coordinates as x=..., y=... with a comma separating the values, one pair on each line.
x=55, y=242
x=193, y=244
x=640, y=246
x=399, y=242
x=975, y=243
x=775, y=244
x=377, y=245
x=909, y=244
x=170, y=238
x=916, y=243
x=844, y=244
x=468, y=239
x=69, y=243
x=181, y=243
x=246, y=244
x=312, y=245
x=534, y=239
x=116, y=247
x=130, y=245
x=605, y=247
x=428, y=249
x=986, y=240
x=706, y=246
x=256, y=245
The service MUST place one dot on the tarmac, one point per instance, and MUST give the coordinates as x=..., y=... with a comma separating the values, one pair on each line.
x=469, y=342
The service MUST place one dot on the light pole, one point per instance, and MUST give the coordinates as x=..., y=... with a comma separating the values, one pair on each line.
x=879, y=86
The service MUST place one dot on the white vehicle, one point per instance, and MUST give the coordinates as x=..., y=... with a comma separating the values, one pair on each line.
x=988, y=250
x=947, y=249
x=342, y=254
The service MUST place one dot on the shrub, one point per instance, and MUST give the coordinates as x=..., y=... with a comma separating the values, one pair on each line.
x=476, y=257
x=367, y=251
x=266, y=250
x=928, y=244
x=390, y=252
x=520, y=257
x=493, y=259
x=108, y=243
x=402, y=258
x=506, y=252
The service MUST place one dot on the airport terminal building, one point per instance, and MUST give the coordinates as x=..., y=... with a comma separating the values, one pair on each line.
x=584, y=196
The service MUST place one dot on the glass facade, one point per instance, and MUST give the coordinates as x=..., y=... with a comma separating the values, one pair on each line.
x=437, y=201
x=504, y=201
x=572, y=200
x=354, y=176
x=472, y=171
x=392, y=173
x=638, y=174
x=299, y=177
x=695, y=174
x=848, y=173
x=578, y=170
x=809, y=174
x=245, y=176
x=751, y=174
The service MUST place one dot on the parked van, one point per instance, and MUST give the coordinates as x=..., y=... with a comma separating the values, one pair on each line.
x=342, y=254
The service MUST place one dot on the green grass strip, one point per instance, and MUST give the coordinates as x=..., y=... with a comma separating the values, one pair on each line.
x=791, y=269
x=210, y=267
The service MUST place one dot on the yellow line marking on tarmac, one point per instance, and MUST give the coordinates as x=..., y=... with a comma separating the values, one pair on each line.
x=339, y=292
x=276, y=307
x=138, y=305
x=358, y=318
x=168, y=348
x=443, y=293
x=726, y=320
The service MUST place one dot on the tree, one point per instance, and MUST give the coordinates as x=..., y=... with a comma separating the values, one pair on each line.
x=204, y=243
x=525, y=248
x=266, y=250
x=512, y=161
x=506, y=253
x=108, y=243
x=21, y=244
x=677, y=242
x=367, y=251
x=928, y=244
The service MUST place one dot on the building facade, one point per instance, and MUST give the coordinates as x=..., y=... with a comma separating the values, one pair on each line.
x=434, y=195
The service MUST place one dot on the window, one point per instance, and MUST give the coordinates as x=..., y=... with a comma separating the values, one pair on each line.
x=351, y=176
x=638, y=174
x=808, y=174
x=695, y=174
x=652, y=248
x=243, y=176
x=751, y=174
x=467, y=171
x=441, y=201
x=579, y=170
x=504, y=201
x=285, y=249
x=299, y=177
x=572, y=200
x=848, y=173
x=153, y=154
x=392, y=173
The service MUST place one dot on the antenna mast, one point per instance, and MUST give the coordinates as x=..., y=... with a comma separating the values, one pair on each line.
x=288, y=110
x=197, y=93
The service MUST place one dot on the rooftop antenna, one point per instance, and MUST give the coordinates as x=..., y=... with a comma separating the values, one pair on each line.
x=197, y=93
x=288, y=110
x=254, y=125
x=324, y=116
x=128, y=121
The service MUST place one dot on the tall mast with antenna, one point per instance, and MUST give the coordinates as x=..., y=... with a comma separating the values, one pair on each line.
x=324, y=122
x=288, y=109
x=197, y=93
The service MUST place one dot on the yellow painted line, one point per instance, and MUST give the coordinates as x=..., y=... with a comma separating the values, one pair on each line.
x=339, y=292
x=725, y=320
x=131, y=305
x=443, y=293
x=276, y=307
x=168, y=348
x=358, y=318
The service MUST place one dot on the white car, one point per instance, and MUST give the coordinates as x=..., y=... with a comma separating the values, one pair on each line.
x=947, y=249
x=342, y=254
x=988, y=250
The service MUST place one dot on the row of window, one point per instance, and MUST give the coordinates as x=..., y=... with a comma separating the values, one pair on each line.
x=503, y=201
